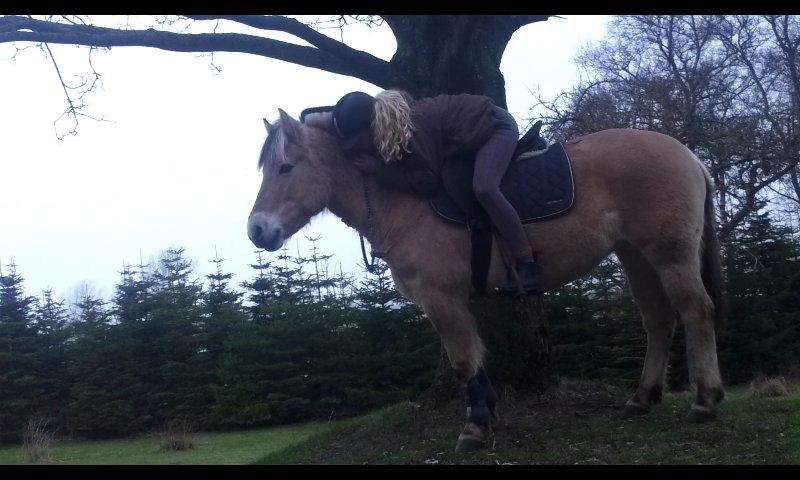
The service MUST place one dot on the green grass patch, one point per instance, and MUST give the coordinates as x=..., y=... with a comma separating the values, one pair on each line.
x=748, y=431
x=579, y=424
x=210, y=448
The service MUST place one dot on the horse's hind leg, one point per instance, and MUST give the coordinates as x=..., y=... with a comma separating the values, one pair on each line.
x=684, y=287
x=659, y=320
x=459, y=333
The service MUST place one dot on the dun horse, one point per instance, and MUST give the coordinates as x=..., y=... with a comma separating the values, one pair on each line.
x=641, y=195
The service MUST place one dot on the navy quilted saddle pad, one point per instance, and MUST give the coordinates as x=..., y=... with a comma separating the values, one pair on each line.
x=538, y=186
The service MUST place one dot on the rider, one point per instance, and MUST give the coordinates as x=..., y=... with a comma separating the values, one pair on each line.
x=403, y=142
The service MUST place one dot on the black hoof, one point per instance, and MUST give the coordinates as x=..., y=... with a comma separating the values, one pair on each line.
x=700, y=414
x=632, y=410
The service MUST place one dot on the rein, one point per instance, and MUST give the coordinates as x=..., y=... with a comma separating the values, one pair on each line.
x=370, y=266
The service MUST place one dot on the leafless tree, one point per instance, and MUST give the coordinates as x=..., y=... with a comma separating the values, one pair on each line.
x=726, y=86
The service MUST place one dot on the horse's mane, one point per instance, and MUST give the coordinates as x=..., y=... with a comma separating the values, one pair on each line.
x=274, y=144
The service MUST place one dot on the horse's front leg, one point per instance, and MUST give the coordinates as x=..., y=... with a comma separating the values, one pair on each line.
x=459, y=333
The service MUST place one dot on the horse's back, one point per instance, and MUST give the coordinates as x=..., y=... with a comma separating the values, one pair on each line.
x=650, y=180
x=629, y=145
x=636, y=162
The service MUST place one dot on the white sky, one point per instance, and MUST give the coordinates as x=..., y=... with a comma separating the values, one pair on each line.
x=176, y=164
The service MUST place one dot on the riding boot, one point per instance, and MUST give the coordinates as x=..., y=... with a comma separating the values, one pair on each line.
x=523, y=279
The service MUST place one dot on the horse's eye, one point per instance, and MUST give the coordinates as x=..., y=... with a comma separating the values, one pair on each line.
x=285, y=168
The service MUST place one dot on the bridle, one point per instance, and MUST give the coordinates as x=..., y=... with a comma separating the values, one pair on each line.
x=370, y=266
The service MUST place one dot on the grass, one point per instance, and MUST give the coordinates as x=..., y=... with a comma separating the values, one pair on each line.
x=578, y=424
x=210, y=448
x=572, y=429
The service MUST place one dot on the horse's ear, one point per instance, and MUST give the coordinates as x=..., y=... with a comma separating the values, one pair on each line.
x=268, y=126
x=290, y=126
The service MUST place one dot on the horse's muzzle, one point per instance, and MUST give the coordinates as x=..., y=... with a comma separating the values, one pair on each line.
x=265, y=232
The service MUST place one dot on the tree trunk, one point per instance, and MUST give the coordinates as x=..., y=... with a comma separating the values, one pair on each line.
x=438, y=54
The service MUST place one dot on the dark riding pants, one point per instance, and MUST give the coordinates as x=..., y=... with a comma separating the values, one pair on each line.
x=491, y=163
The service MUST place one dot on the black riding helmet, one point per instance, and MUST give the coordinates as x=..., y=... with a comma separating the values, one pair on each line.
x=352, y=115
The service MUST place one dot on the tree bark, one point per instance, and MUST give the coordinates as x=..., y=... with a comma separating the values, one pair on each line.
x=450, y=54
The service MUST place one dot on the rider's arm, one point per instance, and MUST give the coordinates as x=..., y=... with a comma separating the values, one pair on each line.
x=408, y=178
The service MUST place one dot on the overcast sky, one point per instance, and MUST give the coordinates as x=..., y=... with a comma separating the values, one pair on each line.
x=176, y=163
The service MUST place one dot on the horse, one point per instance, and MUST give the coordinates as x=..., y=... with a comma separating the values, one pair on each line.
x=641, y=195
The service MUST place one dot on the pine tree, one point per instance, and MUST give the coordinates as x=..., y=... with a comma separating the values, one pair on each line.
x=181, y=385
x=135, y=375
x=398, y=347
x=223, y=310
x=261, y=289
x=596, y=330
x=98, y=407
x=53, y=331
x=320, y=279
x=762, y=331
x=19, y=385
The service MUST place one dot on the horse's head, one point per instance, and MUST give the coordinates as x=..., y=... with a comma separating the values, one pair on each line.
x=296, y=181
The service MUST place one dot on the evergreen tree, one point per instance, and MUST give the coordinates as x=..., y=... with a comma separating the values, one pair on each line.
x=19, y=385
x=596, y=330
x=320, y=278
x=223, y=310
x=98, y=406
x=225, y=317
x=132, y=308
x=53, y=331
x=261, y=289
x=398, y=346
x=180, y=384
x=762, y=332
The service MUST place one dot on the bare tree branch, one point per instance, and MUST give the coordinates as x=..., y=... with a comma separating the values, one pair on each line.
x=720, y=84
x=299, y=30
x=368, y=68
x=74, y=107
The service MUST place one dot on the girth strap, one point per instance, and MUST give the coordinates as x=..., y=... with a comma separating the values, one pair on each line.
x=481, y=239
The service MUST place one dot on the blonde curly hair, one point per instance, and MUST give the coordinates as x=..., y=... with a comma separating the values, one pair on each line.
x=391, y=124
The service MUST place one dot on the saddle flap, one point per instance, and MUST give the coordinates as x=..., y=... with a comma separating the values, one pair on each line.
x=538, y=186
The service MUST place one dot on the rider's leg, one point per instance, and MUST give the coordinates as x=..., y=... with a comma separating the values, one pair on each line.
x=491, y=162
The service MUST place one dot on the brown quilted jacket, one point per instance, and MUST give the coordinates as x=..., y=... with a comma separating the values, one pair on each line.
x=444, y=126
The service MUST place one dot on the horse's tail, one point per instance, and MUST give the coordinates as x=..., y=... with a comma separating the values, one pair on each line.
x=710, y=258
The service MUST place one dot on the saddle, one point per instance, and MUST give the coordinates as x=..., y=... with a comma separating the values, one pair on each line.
x=538, y=184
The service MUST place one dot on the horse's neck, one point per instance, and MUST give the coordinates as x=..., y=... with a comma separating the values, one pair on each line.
x=389, y=211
